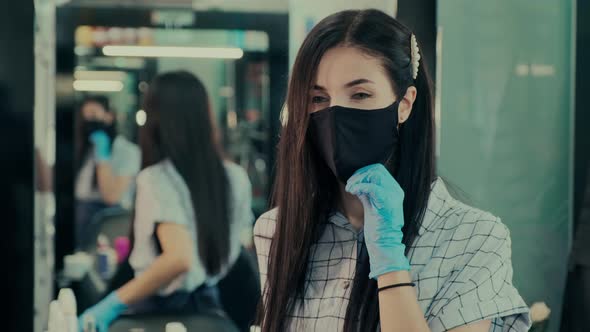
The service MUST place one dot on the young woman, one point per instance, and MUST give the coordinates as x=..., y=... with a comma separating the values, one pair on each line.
x=106, y=165
x=191, y=208
x=363, y=234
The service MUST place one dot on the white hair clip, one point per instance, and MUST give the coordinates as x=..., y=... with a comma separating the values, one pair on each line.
x=415, y=54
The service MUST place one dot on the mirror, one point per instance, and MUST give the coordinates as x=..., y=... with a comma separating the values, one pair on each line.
x=105, y=66
x=113, y=69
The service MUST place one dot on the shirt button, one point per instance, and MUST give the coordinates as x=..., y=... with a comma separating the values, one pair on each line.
x=346, y=284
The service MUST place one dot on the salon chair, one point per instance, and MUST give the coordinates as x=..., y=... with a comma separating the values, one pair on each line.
x=240, y=290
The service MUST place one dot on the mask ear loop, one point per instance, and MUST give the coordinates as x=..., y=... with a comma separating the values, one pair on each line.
x=391, y=168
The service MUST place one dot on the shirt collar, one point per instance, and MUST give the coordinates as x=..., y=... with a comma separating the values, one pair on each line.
x=340, y=220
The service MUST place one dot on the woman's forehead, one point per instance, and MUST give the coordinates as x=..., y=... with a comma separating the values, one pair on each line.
x=341, y=65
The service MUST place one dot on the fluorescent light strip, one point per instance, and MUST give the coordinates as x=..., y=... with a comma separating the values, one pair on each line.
x=173, y=52
x=98, y=85
x=109, y=75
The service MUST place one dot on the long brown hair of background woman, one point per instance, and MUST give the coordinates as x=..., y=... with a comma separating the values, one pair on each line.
x=179, y=127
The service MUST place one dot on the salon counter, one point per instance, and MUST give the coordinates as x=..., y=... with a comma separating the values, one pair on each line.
x=157, y=323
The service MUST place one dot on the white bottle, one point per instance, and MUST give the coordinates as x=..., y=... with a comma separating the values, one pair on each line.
x=67, y=301
x=175, y=327
x=89, y=324
x=57, y=322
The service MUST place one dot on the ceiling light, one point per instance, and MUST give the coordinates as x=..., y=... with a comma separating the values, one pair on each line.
x=98, y=85
x=174, y=52
x=108, y=75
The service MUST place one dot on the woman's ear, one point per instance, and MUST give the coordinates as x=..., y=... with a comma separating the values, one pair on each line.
x=405, y=104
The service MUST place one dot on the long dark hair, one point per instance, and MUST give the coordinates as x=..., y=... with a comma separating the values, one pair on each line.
x=82, y=143
x=306, y=190
x=179, y=127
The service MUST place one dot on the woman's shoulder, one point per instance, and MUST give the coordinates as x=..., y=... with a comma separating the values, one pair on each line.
x=159, y=175
x=448, y=219
x=236, y=174
x=264, y=228
x=465, y=252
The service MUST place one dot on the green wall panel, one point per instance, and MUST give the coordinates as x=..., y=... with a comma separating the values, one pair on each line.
x=506, y=129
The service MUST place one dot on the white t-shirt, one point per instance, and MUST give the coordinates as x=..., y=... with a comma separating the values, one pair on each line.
x=162, y=196
x=125, y=161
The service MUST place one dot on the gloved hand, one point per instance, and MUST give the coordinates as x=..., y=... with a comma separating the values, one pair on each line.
x=382, y=199
x=104, y=312
x=102, y=145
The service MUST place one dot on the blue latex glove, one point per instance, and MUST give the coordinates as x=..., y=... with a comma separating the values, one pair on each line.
x=382, y=199
x=102, y=145
x=104, y=312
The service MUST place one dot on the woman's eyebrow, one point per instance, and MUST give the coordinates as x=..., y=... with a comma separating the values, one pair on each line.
x=357, y=82
x=347, y=85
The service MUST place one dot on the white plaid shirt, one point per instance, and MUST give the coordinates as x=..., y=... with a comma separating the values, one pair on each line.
x=461, y=264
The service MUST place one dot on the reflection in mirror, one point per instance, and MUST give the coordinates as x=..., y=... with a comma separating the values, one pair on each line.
x=113, y=69
x=113, y=73
x=106, y=163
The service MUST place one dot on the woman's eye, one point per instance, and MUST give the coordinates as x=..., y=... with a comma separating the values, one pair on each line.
x=361, y=95
x=318, y=99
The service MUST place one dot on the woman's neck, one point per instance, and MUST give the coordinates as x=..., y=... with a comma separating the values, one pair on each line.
x=352, y=208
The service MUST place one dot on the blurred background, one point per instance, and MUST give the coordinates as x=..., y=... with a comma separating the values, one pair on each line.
x=511, y=113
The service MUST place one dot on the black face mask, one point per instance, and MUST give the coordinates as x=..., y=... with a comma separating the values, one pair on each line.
x=92, y=126
x=349, y=139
